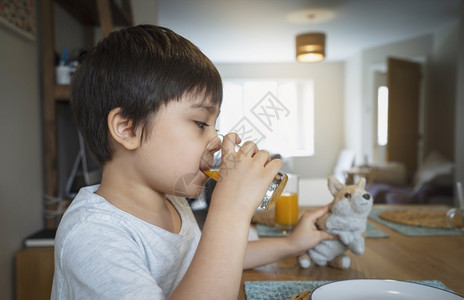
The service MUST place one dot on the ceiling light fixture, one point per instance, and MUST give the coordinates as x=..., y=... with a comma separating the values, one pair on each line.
x=310, y=47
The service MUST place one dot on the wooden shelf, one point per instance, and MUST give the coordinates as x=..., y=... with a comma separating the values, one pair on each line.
x=35, y=266
x=62, y=92
x=90, y=13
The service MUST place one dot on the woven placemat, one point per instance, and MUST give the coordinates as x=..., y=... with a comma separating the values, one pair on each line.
x=278, y=290
x=270, y=231
x=284, y=290
x=373, y=231
x=433, y=218
x=410, y=230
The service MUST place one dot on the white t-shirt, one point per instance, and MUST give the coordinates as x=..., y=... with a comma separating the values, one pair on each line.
x=102, y=252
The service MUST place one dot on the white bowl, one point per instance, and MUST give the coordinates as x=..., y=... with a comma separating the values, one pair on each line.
x=379, y=289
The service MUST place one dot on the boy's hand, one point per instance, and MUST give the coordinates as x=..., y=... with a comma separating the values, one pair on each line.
x=244, y=176
x=305, y=235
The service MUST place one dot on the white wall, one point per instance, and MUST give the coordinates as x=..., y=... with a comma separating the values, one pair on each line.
x=20, y=151
x=441, y=91
x=353, y=106
x=439, y=54
x=328, y=108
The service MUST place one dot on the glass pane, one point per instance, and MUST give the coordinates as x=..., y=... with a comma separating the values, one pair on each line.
x=276, y=114
x=382, y=115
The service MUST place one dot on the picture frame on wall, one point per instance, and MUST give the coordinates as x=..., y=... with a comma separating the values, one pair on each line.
x=19, y=16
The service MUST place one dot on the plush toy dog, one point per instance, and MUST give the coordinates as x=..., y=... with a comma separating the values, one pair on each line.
x=347, y=218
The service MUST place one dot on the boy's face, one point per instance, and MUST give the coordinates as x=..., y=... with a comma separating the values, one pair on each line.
x=173, y=156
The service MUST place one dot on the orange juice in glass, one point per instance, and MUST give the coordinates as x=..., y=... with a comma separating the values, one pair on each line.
x=212, y=173
x=286, y=210
x=272, y=193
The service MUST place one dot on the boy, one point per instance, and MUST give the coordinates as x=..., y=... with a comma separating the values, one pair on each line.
x=146, y=101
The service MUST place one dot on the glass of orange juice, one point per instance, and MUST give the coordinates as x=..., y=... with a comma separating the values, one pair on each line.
x=286, y=210
x=273, y=192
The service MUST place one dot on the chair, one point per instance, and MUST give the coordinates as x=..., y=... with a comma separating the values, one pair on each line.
x=85, y=171
x=432, y=182
x=345, y=161
x=314, y=191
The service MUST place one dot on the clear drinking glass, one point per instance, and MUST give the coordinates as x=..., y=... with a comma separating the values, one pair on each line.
x=273, y=192
x=286, y=211
x=455, y=216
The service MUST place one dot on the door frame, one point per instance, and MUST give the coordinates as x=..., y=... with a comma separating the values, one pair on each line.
x=370, y=111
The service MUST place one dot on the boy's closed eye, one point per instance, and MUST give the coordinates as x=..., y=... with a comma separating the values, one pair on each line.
x=201, y=125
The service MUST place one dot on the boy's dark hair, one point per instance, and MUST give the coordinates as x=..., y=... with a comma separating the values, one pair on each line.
x=137, y=69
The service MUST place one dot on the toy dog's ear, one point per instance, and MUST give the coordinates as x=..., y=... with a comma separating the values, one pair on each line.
x=334, y=185
x=361, y=183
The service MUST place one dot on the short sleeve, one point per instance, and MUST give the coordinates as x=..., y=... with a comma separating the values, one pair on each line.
x=104, y=262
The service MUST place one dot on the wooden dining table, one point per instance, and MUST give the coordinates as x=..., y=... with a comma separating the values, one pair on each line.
x=397, y=257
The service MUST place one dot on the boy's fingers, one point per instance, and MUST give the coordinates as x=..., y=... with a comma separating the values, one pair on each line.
x=263, y=156
x=214, y=145
x=328, y=236
x=248, y=149
x=275, y=165
x=229, y=142
x=321, y=211
x=313, y=215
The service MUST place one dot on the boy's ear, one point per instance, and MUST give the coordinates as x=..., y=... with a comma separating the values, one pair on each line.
x=120, y=128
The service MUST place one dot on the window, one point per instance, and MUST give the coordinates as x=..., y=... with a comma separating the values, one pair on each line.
x=382, y=115
x=278, y=115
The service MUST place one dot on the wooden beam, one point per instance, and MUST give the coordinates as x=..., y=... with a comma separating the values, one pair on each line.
x=47, y=48
x=104, y=13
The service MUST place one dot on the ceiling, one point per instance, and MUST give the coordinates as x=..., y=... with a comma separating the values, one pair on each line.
x=250, y=31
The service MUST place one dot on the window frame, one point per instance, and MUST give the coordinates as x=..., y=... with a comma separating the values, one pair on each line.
x=302, y=104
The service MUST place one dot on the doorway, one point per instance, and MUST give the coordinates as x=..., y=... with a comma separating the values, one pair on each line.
x=398, y=102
